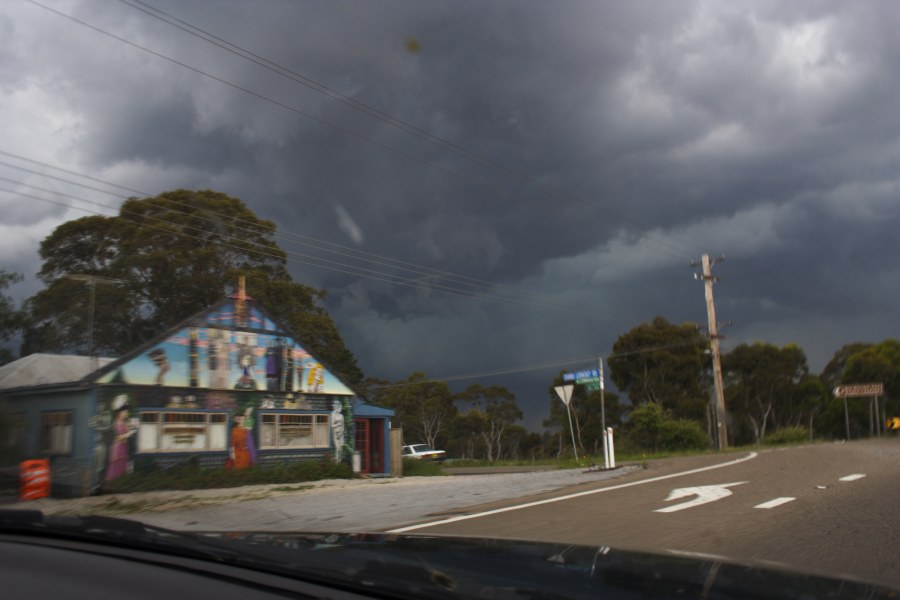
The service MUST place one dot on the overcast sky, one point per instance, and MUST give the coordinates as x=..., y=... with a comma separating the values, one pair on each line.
x=546, y=171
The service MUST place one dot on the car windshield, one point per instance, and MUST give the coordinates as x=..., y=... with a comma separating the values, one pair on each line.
x=627, y=270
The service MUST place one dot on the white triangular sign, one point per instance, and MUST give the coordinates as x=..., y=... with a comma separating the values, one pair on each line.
x=565, y=393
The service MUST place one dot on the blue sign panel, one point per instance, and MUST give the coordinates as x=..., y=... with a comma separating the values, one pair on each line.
x=580, y=376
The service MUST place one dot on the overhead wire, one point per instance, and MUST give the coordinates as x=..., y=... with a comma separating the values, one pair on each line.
x=498, y=289
x=392, y=280
x=301, y=257
x=532, y=181
x=353, y=103
x=535, y=366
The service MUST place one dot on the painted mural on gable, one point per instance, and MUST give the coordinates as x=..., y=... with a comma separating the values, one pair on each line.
x=230, y=389
x=224, y=359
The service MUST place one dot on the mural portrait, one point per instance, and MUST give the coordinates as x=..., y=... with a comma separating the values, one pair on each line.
x=338, y=428
x=123, y=429
x=246, y=360
x=242, y=452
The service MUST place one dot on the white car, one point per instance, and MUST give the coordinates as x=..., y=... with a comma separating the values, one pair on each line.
x=425, y=451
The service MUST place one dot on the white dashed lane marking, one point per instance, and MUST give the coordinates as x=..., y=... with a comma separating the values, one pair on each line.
x=775, y=502
x=853, y=477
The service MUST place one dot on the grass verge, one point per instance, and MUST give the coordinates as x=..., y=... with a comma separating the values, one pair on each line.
x=413, y=467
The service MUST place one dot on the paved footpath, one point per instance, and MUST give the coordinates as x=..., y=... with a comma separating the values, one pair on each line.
x=335, y=505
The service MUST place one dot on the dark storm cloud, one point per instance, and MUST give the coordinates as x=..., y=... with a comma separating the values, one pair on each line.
x=642, y=135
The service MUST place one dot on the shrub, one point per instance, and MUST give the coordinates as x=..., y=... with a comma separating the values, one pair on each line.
x=192, y=477
x=788, y=435
x=683, y=435
x=652, y=429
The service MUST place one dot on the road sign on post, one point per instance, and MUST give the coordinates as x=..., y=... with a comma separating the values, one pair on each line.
x=565, y=394
x=858, y=390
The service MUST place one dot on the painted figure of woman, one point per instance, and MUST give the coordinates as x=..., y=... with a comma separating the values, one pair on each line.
x=337, y=429
x=240, y=453
x=118, y=452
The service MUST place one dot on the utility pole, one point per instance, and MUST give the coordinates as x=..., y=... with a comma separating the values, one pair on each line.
x=92, y=281
x=708, y=280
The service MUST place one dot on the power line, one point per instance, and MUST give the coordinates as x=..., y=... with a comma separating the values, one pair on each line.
x=538, y=366
x=300, y=257
x=353, y=103
x=532, y=181
x=500, y=290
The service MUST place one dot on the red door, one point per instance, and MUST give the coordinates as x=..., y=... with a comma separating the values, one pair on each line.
x=370, y=445
x=362, y=444
x=376, y=446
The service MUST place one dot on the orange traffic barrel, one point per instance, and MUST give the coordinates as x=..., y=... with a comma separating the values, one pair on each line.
x=34, y=477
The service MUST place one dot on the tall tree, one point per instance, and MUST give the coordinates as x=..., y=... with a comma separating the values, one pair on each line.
x=764, y=386
x=663, y=363
x=424, y=408
x=10, y=316
x=172, y=255
x=833, y=372
x=498, y=405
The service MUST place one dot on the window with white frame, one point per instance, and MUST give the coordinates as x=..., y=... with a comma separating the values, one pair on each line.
x=294, y=431
x=182, y=432
x=56, y=432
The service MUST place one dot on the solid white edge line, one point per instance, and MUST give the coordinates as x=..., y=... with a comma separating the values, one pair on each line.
x=775, y=502
x=496, y=511
x=853, y=477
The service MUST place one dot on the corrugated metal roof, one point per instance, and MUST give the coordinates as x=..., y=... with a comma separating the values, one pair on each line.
x=364, y=409
x=48, y=369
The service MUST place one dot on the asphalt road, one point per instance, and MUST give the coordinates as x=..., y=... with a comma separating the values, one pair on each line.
x=826, y=508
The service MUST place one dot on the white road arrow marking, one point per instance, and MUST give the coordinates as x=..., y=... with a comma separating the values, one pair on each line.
x=704, y=493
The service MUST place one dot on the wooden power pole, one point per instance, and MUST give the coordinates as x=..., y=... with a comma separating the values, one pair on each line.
x=708, y=280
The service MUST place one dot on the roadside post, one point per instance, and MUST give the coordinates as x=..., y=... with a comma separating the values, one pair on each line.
x=612, y=448
x=565, y=394
x=603, y=414
x=593, y=379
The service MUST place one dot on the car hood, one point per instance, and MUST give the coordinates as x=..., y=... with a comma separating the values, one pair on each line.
x=449, y=567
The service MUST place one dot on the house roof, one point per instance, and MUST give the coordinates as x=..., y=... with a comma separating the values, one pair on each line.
x=48, y=369
x=364, y=409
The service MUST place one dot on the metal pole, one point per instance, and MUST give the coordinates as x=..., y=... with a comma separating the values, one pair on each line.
x=572, y=431
x=603, y=415
x=871, y=419
x=846, y=418
x=602, y=397
x=92, y=283
x=877, y=418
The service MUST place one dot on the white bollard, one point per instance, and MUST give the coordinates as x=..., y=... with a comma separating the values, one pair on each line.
x=612, y=448
x=605, y=450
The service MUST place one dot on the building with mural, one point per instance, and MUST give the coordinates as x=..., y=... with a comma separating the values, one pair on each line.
x=227, y=387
